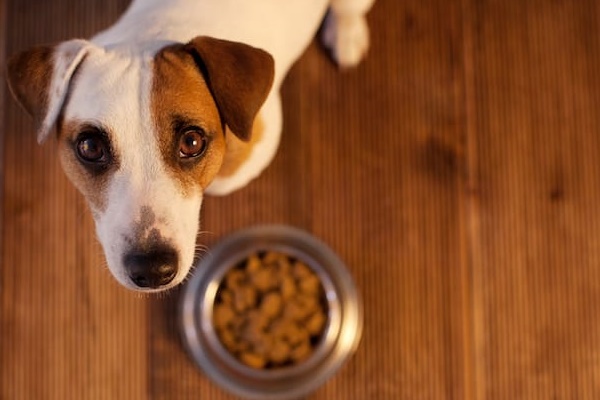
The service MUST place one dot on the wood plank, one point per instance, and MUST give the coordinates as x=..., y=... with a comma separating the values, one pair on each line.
x=68, y=330
x=371, y=162
x=390, y=201
x=2, y=106
x=536, y=276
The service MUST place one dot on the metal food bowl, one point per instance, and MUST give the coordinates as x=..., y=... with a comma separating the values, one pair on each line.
x=338, y=341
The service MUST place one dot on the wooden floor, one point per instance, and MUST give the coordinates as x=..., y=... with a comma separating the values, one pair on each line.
x=456, y=171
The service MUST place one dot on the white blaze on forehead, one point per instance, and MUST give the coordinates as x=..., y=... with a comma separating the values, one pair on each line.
x=113, y=91
x=107, y=89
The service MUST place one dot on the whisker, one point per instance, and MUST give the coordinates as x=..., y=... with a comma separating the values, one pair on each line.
x=200, y=249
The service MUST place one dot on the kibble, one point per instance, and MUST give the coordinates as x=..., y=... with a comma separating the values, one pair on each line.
x=270, y=310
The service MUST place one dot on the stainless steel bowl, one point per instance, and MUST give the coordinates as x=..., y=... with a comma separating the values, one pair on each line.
x=340, y=338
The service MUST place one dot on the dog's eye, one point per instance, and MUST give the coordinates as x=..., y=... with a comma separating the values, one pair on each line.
x=92, y=148
x=192, y=143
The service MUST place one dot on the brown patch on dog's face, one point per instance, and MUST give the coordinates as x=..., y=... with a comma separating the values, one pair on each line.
x=181, y=102
x=239, y=151
x=240, y=78
x=90, y=179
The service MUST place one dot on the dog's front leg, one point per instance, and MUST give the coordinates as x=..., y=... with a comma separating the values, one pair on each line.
x=346, y=32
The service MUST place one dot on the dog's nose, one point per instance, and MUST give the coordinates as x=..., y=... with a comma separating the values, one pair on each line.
x=152, y=269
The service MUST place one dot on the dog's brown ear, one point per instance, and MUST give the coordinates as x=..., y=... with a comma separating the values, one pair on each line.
x=39, y=79
x=239, y=77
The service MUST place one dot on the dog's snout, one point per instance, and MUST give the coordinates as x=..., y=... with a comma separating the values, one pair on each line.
x=152, y=269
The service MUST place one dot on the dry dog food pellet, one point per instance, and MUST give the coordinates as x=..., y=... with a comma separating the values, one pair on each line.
x=253, y=360
x=223, y=315
x=270, y=311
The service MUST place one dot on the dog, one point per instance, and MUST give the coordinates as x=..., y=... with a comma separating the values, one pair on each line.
x=177, y=100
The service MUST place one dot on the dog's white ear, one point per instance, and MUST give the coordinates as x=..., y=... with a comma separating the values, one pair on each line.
x=39, y=80
x=239, y=77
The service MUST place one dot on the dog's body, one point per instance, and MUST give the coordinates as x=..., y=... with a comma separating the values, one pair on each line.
x=284, y=37
x=154, y=112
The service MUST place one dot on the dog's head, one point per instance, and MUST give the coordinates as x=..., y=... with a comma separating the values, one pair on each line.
x=141, y=136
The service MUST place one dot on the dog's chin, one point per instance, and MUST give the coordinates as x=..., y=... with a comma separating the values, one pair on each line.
x=124, y=281
x=142, y=290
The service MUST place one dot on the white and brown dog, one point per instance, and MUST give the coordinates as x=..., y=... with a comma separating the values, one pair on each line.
x=150, y=116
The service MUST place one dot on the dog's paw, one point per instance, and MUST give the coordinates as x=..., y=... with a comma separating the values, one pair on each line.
x=347, y=37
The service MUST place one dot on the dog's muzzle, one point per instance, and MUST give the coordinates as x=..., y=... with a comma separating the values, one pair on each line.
x=153, y=268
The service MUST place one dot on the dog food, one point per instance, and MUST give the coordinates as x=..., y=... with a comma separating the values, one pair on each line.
x=270, y=311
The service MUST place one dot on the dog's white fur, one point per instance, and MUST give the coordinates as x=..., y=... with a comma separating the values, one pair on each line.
x=113, y=88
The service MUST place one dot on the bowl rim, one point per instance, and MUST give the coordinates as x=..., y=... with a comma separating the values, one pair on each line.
x=342, y=333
